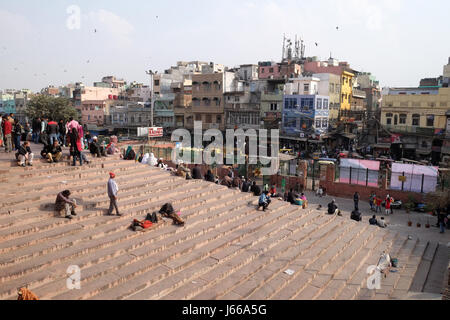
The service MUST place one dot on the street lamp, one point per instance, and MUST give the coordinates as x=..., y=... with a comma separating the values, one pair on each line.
x=152, y=104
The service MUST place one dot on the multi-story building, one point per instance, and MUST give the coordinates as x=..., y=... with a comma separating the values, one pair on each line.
x=418, y=117
x=330, y=85
x=183, y=104
x=346, y=94
x=341, y=69
x=369, y=84
x=358, y=108
x=272, y=103
x=283, y=70
x=82, y=93
x=93, y=112
x=114, y=82
x=7, y=102
x=242, y=107
x=208, y=98
x=127, y=118
x=305, y=115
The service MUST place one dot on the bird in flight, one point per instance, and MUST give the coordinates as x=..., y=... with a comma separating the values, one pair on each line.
x=316, y=44
x=337, y=28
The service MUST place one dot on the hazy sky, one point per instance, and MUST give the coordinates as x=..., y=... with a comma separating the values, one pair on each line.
x=399, y=41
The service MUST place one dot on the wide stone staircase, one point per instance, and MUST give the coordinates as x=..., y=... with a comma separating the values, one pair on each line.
x=226, y=250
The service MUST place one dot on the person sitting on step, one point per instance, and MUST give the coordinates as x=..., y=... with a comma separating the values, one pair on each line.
x=256, y=190
x=382, y=223
x=373, y=221
x=96, y=149
x=64, y=205
x=53, y=153
x=264, y=200
x=25, y=154
x=333, y=208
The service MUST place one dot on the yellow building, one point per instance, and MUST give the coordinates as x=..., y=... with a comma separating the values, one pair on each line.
x=418, y=117
x=346, y=92
x=406, y=109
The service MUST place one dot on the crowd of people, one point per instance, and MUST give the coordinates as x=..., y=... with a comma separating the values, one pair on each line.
x=53, y=135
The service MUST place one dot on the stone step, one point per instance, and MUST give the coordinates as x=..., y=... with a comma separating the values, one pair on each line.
x=250, y=246
x=206, y=212
x=76, y=182
x=124, y=231
x=437, y=281
x=91, y=229
x=43, y=209
x=17, y=231
x=307, y=265
x=423, y=268
x=139, y=273
x=27, y=240
x=229, y=278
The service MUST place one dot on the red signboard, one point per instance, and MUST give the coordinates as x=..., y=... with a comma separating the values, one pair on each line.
x=155, y=132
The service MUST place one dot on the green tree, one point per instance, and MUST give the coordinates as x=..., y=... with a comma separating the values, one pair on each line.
x=51, y=107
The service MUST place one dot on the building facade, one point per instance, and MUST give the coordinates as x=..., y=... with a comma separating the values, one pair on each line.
x=305, y=115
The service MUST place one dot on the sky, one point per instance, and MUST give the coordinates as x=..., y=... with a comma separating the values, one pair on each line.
x=43, y=43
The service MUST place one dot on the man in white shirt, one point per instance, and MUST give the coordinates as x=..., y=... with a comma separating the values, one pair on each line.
x=113, y=190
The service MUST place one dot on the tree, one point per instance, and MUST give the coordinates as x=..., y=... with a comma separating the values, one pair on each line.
x=51, y=107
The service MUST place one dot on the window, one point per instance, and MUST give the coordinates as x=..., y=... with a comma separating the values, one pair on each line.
x=403, y=118
x=389, y=118
x=307, y=104
x=424, y=145
x=318, y=123
x=262, y=70
x=198, y=117
x=319, y=104
x=290, y=103
x=271, y=70
x=325, y=123
x=219, y=119
x=236, y=99
x=156, y=82
x=217, y=100
x=273, y=106
x=416, y=120
x=430, y=120
x=208, y=118
x=331, y=87
x=325, y=104
x=395, y=120
x=306, y=87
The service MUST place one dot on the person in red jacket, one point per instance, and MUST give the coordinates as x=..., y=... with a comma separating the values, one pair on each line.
x=7, y=133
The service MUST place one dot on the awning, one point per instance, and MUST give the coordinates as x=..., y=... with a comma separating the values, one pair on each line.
x=294, y=139
x=350, y=136
x=285, y=157
x=382, y=146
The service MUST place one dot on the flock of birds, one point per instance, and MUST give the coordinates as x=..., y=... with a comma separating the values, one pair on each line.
x=88, y=61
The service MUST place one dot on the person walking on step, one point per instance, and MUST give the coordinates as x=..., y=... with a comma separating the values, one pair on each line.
x=113, y=190
x=64, y=205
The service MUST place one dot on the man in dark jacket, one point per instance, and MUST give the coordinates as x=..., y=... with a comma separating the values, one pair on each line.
x=256, y=190
x=36, y=126
x=53, y=153
x=52, y=130
x=245, y=186
x=64, y=205
x=356, y=200
x=291, y=197
x=62, y=132
x=96, y=149
x=24, y=154
x=196, y=173
x=333, y=208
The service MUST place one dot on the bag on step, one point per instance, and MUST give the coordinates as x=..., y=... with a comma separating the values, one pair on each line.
x=176, y=219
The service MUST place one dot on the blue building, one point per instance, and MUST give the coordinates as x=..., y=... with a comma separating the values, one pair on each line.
x=304, y=115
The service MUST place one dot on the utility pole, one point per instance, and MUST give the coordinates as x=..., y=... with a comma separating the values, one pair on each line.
x=152, y=95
